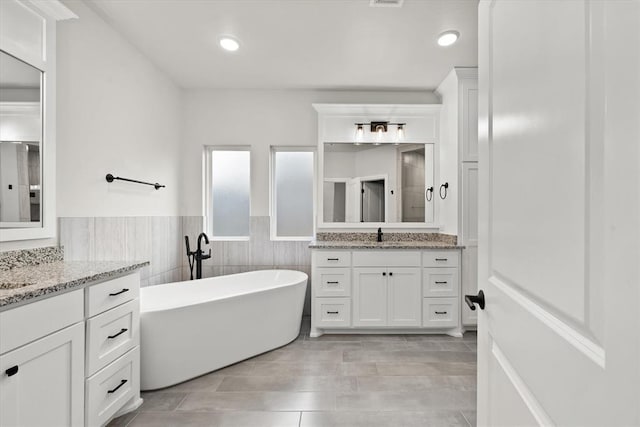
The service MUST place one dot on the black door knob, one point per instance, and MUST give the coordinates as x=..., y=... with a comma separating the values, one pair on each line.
x=475, y=299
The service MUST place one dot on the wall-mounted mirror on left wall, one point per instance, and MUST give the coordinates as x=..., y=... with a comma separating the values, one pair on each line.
x=20, y=144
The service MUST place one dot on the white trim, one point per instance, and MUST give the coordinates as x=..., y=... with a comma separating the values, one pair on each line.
x=273, y=232
x=53, y=9
x=48, y=210
x=207, y=189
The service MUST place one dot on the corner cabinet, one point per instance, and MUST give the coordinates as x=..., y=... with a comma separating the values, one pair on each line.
x=383, y=291
x=79, y=368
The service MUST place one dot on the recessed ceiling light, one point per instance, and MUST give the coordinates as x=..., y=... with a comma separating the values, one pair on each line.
x=448, y=38
x=229, y=43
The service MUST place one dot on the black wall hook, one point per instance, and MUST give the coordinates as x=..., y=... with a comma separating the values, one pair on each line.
x=428, y=194
x=445, y=186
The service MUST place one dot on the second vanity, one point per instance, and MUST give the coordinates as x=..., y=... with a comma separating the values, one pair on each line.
x=69, y=346
x=387, y=287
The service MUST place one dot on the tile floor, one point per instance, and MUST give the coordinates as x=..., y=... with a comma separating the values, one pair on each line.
x=334, y=380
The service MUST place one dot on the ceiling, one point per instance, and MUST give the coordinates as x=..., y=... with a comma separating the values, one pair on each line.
x=310, y=44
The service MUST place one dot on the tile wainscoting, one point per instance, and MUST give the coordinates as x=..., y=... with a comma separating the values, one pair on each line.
x=160, y=240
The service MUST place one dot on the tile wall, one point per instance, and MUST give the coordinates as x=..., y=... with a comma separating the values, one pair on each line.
x=161, y=241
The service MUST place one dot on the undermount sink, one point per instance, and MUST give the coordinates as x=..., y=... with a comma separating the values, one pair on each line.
x=8, y=285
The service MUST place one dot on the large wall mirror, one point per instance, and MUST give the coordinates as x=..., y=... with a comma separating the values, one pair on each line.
x=20, y=144
x=377, y=183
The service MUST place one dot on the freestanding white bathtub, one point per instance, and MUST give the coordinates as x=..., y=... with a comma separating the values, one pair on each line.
x=194, y=327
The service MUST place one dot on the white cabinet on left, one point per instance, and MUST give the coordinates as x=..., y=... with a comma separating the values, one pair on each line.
x=62, y=365
x=43, y=382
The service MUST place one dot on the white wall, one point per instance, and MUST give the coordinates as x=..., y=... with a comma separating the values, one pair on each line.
x=260, y=118
x=117, y=113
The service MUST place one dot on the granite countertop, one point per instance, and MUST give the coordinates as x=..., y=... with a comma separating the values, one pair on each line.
x=365, y=244
x=57, y=277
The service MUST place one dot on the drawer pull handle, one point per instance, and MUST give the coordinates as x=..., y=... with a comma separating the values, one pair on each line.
x=333, y=259
x=122, y=331
x=332, y=283
x=118, y=293
x=441, y=312
x=441, y=259
x=333, y=312
x=11, y=371
x=441, y=283
x=123, y=382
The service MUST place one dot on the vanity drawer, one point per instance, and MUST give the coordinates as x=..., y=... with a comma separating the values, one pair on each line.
x=111, y=334
x=333, y=258
x=333, y=282
x=21, y=325
x=440, y=258
x=386, y=258
x=333, y=312
x=440, y=282
x=106, y=295
x=440, y=312
x=107, y=391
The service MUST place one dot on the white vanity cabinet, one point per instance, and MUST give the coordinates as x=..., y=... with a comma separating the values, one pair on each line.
x=385, y=290
x=42, y=380
x=72, y=359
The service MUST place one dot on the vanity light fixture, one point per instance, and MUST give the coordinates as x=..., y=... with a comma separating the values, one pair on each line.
x=359, y=132
x=379, y=128
x=229, y=43
x=448, y=38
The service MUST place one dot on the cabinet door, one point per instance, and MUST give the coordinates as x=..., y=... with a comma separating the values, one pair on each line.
x=404, y=297
x=369, y=297
x=42, y=383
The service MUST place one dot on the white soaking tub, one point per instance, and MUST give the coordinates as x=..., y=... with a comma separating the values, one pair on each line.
x=190, y=328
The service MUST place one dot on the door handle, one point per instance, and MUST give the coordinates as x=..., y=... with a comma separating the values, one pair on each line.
x=475, y=299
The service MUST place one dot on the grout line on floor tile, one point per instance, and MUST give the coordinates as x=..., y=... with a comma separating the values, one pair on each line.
x=466, y=419
x=181, y=401
x=132, y=418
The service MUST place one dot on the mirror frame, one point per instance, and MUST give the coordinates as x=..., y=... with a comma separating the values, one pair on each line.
x=352, y=113
x=39, y=18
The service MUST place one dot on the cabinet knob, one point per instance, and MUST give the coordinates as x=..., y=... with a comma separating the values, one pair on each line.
x=11, y=371
x=390, y=273
x=384, y=273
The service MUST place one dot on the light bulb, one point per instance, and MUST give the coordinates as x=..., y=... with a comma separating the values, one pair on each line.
x=359, y=132
x=379, y=132
x=400, y=133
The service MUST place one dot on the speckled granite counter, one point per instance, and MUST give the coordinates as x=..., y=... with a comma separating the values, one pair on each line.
x=57, y=277
x=350, y=244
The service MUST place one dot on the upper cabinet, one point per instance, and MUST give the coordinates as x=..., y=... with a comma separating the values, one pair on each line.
x=28, y=117
x=377, y=166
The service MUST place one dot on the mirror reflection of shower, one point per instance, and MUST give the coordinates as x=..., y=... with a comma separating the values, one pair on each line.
x=412, y=189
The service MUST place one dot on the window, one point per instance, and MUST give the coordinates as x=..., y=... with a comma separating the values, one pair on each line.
x=292, y=193
x=227, y=195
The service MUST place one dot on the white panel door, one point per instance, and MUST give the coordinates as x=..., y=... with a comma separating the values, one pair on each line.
x=404, y=297
x=369, y=297
x=559, y=156
x=42, y=383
